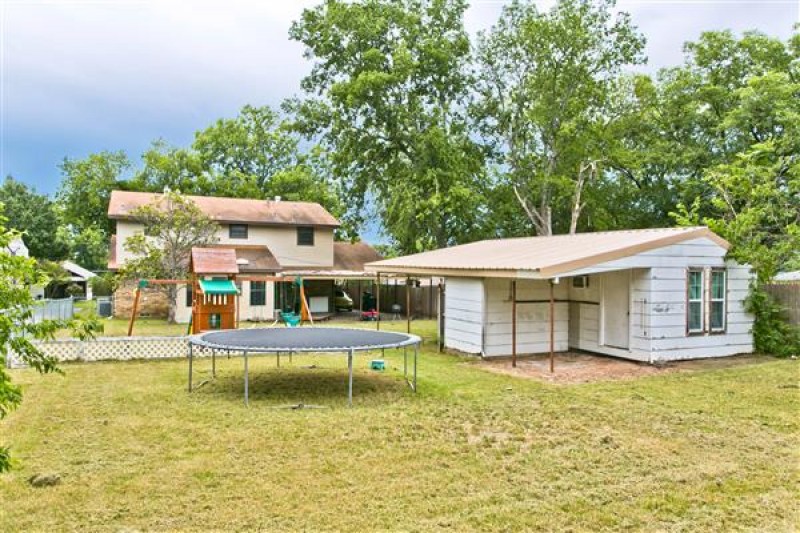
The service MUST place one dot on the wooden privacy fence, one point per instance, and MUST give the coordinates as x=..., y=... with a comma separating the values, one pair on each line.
x=788, y=296
x=423, y=298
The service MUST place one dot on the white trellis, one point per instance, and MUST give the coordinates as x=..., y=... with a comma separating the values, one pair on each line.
x=110, y=349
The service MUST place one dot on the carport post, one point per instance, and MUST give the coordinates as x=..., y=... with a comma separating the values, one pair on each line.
x=350, y=379
x=378, y=300
x=514, y=323
x=246, y=382
x=552, y=326
x=416, y=349
x=408, y=305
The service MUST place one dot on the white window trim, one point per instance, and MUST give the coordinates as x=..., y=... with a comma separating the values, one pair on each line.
x=724, y=299
x=689, y=301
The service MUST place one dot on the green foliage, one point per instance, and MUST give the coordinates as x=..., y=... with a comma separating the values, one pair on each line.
x=33, y=215
x=104, y=284
x=771, y=332
x=386, y=95
x=86, y=188
x=548, y=86
x=17, y=330
x=173, y=226
x=74, y=290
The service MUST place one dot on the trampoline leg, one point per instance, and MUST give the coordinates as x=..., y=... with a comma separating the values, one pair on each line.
x=290, y=356
x=405, y=361
x=190, y=368
x=416, y=349
x=278, y=355
x=246, y=382
x=213, y=363
x=350, y=382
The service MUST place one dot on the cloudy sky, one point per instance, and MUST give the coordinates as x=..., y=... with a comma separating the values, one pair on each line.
x=79, y=76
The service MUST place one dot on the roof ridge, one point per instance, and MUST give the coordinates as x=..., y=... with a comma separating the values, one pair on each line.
x=582, y=233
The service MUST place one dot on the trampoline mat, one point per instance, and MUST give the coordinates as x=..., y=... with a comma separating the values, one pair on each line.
x=303, y=339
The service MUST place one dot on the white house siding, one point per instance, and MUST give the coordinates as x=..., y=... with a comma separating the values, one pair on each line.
x=464, y=308
x=533, y=319
x=247, y=312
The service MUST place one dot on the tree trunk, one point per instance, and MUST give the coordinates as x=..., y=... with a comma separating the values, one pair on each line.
x=585, y=173
x=172, y=301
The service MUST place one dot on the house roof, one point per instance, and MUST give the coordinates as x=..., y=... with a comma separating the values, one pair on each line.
x=539, y=257
x=236, y=210
x=214, y=261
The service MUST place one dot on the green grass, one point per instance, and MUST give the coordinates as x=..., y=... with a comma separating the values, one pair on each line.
x=705, y=450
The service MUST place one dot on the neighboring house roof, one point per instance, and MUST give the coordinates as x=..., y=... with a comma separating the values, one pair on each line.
x=788, y=276
x=236, y=210
x=540, y=257
x=80, y=273
x=214, y=261
x=17, y=248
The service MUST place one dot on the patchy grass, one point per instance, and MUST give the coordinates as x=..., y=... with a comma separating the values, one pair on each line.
x=474, y=450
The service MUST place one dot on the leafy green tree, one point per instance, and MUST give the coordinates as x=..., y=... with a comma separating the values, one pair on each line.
x=89, y=248
x=17, y=328
x=386, y=95
x=34, y=215
x=173, y=226
x=546, y=87
x=169, y=167
x=86, y=189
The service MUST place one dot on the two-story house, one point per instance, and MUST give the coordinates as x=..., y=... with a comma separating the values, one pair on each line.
x=269, y=237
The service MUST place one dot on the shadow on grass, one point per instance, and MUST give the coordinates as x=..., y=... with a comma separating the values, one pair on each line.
x=304, y=385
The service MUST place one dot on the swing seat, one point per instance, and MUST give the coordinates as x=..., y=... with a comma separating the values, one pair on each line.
x=290, y=319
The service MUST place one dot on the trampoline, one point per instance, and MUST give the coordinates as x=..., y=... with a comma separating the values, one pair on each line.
x=305, y=339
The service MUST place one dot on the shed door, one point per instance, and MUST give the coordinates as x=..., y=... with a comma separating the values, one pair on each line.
x=616, y=307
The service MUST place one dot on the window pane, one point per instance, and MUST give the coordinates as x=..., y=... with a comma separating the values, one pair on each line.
x=695, y=285
x=305, y=236
x=258, y=293
x=237, y=231
x=717, y=315
x=718, y=285
x=695, y=316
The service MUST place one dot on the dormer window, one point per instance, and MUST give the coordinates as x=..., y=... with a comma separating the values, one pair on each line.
x=237, y=231
x=305, y=236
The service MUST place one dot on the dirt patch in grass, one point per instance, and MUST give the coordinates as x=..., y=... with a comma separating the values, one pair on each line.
x=572, y=367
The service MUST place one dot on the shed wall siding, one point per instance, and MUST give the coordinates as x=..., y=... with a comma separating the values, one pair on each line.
x=533, y=319
x=463, y=325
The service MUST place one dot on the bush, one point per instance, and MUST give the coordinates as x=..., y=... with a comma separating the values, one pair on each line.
x=103, y=285
x=772, y=334
x=73, y=289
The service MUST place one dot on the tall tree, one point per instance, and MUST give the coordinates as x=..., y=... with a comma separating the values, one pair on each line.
x=35, y=216
x=546, y=100
x=173, y=225
x=387, y=92
x=86, y=188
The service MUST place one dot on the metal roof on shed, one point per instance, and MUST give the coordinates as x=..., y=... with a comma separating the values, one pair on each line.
x=539, y=257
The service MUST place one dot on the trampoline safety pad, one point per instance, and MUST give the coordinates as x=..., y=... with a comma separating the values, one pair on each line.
x=303, y=339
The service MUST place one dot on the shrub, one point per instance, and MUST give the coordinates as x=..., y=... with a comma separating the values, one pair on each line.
x=772, y=334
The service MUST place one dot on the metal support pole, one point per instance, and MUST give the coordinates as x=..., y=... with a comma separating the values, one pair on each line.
x=552, y=327
x=416, y=350
x=514, y=323
x=278, y=356
x=213, y=363
x=350, y=381
x=378, y=300
x=405, y=361
x=246, y=382
x=190, y=368
x=408, y=305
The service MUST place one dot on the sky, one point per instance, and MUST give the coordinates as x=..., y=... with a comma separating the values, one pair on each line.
x=81, y=76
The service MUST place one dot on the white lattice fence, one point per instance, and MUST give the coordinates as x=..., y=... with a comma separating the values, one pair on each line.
x=112, y=349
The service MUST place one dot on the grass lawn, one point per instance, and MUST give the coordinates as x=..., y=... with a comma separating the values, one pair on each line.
x=474, y=450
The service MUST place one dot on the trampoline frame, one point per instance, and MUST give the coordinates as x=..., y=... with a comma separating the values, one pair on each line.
x=199, y=342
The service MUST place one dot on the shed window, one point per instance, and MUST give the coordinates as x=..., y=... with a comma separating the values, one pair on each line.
x=717, y=300
x=305, y=236
x=237, y=231
x=258, y=293
x=694, y=314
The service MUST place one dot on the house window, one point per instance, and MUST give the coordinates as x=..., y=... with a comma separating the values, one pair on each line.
x=305, y=236
x=717, y=300
x=237, y=231
x=189, y=295
x=694, y=296
x=580, y=282
x=258, y=293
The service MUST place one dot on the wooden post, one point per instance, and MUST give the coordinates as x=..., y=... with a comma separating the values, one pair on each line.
x=439, y=317
x=552, y=327
x=408, y=305
x=239, y=302
x=514, y=323
x=378, y=300
x=135, y=310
